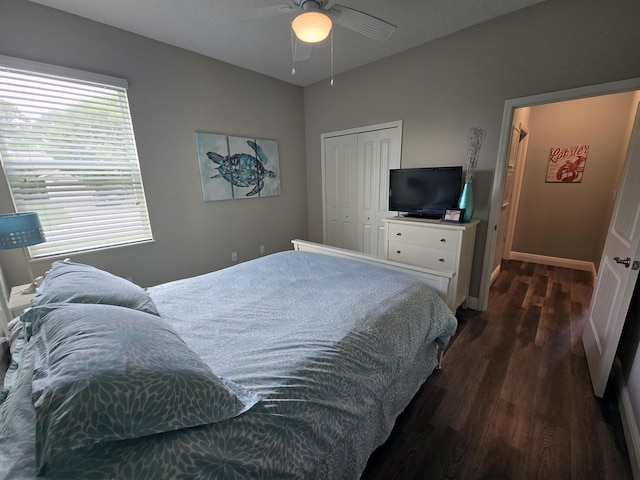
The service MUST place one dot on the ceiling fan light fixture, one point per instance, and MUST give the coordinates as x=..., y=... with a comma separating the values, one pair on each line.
x=312, y=27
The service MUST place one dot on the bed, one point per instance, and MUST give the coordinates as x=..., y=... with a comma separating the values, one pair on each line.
x=294, y=365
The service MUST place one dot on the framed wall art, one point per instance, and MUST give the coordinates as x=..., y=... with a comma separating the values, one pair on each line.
x=237, y=167
x=566, y=164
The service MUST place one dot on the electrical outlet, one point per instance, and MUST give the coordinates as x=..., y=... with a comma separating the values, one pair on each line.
x=262, y=249
x=234, y=256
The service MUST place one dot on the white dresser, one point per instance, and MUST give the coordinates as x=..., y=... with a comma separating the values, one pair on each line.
x=434, y=244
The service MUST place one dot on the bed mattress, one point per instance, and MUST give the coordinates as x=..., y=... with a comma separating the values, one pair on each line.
x=334, y=349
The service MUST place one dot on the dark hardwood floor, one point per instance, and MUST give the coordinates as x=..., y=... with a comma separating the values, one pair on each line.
x=513, y=399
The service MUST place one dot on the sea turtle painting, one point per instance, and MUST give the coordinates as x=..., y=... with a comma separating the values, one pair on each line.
x=237, y=167
x=243, y=169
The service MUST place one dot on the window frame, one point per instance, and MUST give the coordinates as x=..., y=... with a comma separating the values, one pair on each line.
x=110, y=186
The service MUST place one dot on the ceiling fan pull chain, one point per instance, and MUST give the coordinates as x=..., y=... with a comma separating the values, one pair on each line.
x=331, y=83
x=293, y=57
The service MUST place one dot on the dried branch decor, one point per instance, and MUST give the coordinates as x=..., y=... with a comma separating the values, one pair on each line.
x=476, y=137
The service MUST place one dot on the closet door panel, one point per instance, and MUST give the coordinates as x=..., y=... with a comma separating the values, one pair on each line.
x=368, y=192
x=340, y=179
x=378, y=152
x=356, y=167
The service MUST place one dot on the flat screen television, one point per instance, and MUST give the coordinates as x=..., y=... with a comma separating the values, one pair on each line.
x=424, y=192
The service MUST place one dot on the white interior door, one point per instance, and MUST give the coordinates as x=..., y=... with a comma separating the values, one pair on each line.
x=617, y=274
x=505, y=210
x=340, y=201
x=514, y=195
x=378, y=152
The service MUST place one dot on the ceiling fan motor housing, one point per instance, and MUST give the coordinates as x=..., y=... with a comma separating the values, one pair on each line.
x=310, y=5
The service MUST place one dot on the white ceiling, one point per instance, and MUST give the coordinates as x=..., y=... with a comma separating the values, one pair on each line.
x=255, y=35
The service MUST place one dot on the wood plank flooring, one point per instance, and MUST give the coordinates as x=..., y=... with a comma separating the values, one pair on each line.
x=513, y=399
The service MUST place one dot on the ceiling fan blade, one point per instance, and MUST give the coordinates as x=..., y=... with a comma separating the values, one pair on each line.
x=260, y=12
x=301, y=50
x=361, y=22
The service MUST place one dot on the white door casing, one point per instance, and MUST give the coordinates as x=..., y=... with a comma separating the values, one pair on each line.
x=617, y=274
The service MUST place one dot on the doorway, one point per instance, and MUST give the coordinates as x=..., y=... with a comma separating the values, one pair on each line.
x=518, y=147
x=502, y=162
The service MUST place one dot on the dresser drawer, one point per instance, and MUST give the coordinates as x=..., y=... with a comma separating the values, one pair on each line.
x=434, y=245
x=441, y=259
x=425, y=237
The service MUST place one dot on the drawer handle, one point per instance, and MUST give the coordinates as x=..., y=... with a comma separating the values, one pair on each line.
x=443, y=240
x=398, y=251
x=441, y=259
x=399, y=234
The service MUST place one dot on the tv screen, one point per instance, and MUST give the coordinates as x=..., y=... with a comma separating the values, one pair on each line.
x=424, y=192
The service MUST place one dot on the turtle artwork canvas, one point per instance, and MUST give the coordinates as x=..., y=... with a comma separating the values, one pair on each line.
x=237, y=167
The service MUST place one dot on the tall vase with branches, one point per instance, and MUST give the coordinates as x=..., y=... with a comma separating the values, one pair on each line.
x=476, y=137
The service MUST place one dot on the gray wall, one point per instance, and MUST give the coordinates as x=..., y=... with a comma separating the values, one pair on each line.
x=174, y=93
x=445, y=87
x=571, y=220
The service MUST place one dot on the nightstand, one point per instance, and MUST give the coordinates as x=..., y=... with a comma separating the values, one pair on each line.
x=19, y=301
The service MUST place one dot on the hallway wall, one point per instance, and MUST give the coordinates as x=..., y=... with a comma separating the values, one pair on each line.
x=570, y=220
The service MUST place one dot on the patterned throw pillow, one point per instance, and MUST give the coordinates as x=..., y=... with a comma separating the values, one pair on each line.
x=70, y=282
x=105, y=373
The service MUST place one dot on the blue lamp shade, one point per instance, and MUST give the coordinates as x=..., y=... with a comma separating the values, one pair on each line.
x=19, y=230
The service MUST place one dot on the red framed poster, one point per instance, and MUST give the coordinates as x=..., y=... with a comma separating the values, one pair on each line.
x=566, y=164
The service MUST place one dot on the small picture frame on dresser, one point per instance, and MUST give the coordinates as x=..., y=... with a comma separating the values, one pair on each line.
x=453, y=215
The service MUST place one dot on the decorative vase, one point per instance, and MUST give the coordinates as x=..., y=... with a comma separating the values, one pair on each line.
x=466, y=202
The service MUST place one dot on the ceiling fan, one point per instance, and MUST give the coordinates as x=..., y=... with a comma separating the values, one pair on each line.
x=350, y=18
x=316, y=19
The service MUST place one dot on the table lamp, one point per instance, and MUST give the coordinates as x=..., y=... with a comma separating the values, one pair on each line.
x=21, y=230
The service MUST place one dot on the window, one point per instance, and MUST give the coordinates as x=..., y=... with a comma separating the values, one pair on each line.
x=68, y=151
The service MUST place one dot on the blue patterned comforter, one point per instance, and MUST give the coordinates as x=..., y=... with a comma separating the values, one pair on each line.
x=334, y=348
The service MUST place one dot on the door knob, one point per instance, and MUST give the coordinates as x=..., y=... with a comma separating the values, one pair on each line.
x=626, y=262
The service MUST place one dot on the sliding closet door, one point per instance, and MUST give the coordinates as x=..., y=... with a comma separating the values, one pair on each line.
x=378, y=152
x=340, y=177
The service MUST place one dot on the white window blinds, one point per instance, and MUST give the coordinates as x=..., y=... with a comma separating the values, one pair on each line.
x=68, y=152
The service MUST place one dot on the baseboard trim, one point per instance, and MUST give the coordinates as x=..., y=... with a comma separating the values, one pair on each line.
x=494, y=275
x=554, y=261
x=628, y=419
x=472, y=302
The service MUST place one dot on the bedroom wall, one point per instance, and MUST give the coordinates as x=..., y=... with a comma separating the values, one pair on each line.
x=570, y=221
x=445, y=87
x=174, y=93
